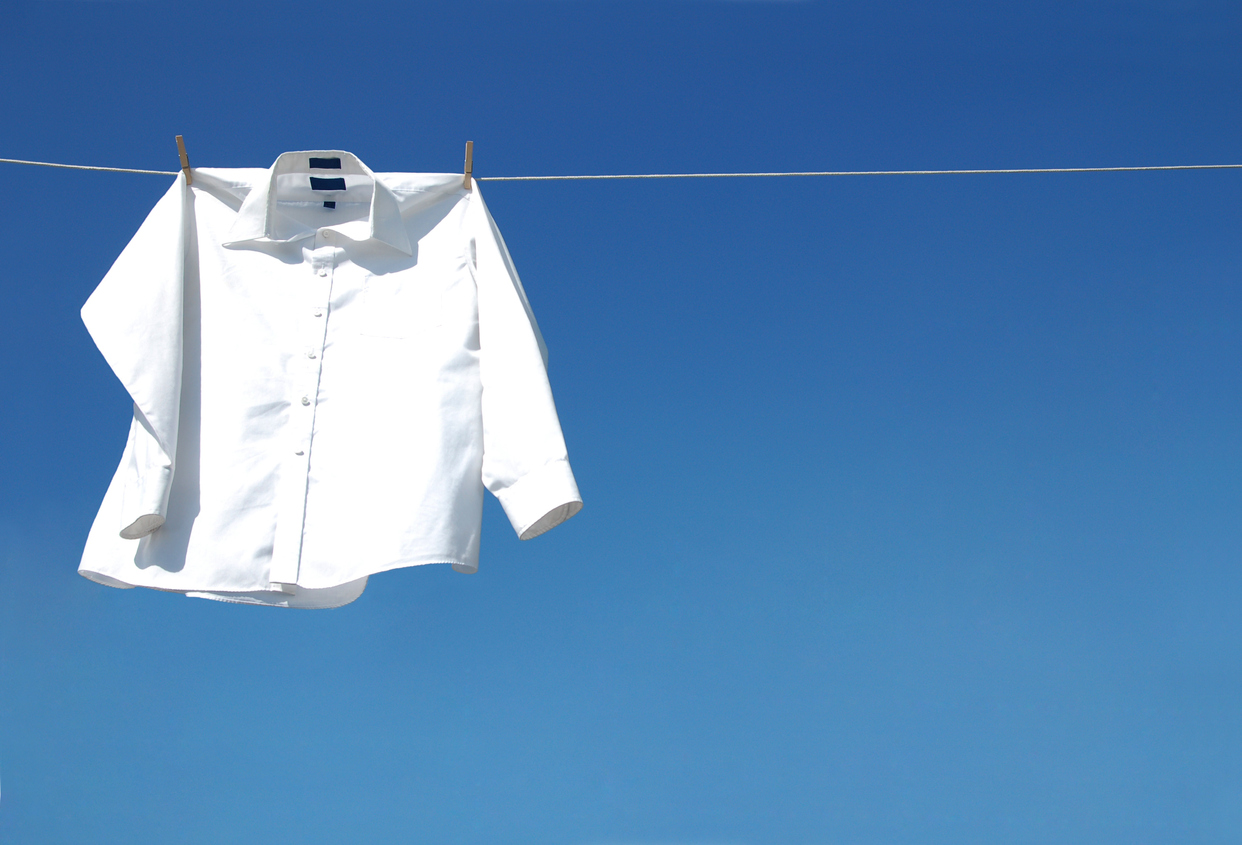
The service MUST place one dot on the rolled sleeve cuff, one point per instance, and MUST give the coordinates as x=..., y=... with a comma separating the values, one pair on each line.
x=541, y=500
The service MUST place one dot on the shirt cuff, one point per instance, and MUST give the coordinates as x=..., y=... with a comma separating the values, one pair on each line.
x=147, y=481
x=142, y=506
x=541, y=500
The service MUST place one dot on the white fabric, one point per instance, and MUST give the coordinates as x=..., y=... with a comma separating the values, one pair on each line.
x=319, y=394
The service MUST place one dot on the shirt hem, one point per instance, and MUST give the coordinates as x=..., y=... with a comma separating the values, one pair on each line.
x=279, y=599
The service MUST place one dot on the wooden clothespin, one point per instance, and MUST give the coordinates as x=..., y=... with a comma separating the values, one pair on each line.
x=469, y=164
x=185, y=161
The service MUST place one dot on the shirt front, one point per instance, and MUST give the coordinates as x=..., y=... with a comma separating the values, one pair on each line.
x=328, y=367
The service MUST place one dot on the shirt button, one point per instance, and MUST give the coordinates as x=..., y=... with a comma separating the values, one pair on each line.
x=299, y=452
x=305, y=400
x=318, y=312
x=310, y=354
x=323, y=272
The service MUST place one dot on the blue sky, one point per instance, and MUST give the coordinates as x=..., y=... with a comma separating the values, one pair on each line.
x=912, y=503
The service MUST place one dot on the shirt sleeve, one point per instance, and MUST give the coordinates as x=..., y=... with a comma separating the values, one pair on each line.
x=135, y=317
x=525, y=463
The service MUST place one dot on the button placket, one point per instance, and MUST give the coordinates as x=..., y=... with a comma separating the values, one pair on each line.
x=305, y=371
x=312, y=341
x=323, y=265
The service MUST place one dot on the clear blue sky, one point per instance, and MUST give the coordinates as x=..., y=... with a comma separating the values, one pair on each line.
x=912, y=503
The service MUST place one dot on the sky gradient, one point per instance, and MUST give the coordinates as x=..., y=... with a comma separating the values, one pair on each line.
x=911, y=503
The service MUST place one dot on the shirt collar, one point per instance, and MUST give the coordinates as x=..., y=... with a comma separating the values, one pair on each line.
x=259, y=219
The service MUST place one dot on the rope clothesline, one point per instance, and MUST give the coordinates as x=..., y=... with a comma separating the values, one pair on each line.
x=867, y=173
x=89, y=167
x=999, y=170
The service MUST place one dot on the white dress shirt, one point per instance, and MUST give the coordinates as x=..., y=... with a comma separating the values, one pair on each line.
x=328, y=366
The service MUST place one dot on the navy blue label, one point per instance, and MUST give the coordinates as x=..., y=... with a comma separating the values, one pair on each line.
x=318, y=184
x=325, y=163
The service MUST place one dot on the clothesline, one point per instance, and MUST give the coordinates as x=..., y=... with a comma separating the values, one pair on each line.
x=1000, y=170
